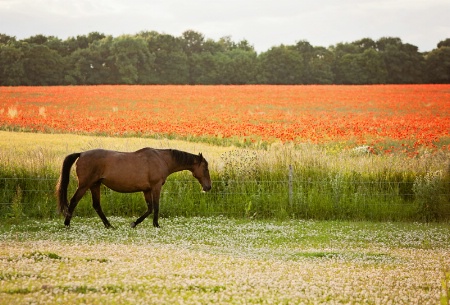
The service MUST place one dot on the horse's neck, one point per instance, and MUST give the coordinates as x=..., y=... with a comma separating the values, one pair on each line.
x=174, y=166
x=178, y=168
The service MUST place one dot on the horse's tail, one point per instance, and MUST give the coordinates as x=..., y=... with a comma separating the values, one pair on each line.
x=63, y=183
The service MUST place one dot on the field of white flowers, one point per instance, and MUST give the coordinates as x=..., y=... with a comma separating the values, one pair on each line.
x=223, y=261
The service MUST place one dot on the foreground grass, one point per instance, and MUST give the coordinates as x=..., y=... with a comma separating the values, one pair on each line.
x=223, y=261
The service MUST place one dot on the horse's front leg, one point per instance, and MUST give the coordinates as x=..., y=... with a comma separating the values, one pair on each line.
x=156, y=211
x=152, y=199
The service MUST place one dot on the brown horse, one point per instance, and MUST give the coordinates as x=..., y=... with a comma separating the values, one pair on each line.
x=145, y=170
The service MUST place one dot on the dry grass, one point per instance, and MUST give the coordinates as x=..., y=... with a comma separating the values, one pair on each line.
x=20, y=146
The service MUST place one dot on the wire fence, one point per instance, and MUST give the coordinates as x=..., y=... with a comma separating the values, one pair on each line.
x=324, y=198
x=291, y=191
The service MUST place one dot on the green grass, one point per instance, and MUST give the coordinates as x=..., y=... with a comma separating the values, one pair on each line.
x=327, y=183
x=445, y=297
x=223, y=261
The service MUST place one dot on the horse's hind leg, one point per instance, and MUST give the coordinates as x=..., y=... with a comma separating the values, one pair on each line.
x=150, y=197
x=95, y=192
x=73, y=204
x=140, y=219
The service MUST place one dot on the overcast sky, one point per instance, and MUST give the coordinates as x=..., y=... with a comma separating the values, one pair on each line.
x=263, y=23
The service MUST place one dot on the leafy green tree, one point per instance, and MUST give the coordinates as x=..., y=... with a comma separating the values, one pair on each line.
x=42, y=66
x=36, y=39
x=223, y=62
x=83, y=41
x=94, y=65
x=170, y=63
x=225, y=45
x=6, y=39
x=350, y=70
x=306, y=50
x=280, y=65
x=404, y=64
x=346, y=65
x=171, y=67
x=214, y=47
x=57, y=44
x=12, y=72
x=52, y=42
x=73, y=44
x=444, y=43
x=244, y=45
x=437, y=65
x=132, y=59
x=317, y=63
x=193, y=44
x=153, y=58
x=239, y=67
x=365, y=44
x=359, y=62
x=373, y=67
x=205, y=68
x=233, y=67
x=321, y=67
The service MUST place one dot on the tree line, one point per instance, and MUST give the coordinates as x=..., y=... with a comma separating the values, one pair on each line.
x=150, y=57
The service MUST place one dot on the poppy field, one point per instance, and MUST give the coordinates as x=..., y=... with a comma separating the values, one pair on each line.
x=388, y=118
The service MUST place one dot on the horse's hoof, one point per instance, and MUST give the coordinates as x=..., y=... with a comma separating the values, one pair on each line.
x=133, y=225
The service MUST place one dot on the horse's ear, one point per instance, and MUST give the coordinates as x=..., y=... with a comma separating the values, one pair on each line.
x=201, y=157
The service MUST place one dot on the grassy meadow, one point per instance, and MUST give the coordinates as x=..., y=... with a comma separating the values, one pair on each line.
x=220, y=260
x=250, y=240
x=324, y=183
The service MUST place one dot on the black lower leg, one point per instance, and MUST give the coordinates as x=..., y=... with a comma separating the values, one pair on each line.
x=95, y=191
x=155, y=215
x=140, y=219
x=67, y=220
x=103, y=217
x=79, y=193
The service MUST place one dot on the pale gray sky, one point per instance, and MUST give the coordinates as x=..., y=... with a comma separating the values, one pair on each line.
x=264, y=23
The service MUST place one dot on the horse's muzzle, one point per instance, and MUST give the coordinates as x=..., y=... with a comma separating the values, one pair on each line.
x=206, y=188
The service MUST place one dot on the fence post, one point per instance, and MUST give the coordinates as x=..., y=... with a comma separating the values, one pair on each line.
x=291, y=192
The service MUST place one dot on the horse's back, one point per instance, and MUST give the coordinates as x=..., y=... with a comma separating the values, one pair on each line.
x=104, y=156
x=121, y=171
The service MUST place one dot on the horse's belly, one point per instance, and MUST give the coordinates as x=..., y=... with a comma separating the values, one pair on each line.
x=126, y=185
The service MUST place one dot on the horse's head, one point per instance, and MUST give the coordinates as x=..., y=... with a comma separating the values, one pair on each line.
x=201, y=173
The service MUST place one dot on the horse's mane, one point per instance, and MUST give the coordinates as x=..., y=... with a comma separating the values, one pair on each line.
x=184, y=158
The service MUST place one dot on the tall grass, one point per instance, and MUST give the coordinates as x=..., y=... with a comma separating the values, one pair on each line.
x=325, y=183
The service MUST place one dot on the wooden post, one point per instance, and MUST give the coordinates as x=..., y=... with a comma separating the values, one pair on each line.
x=291, y=192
